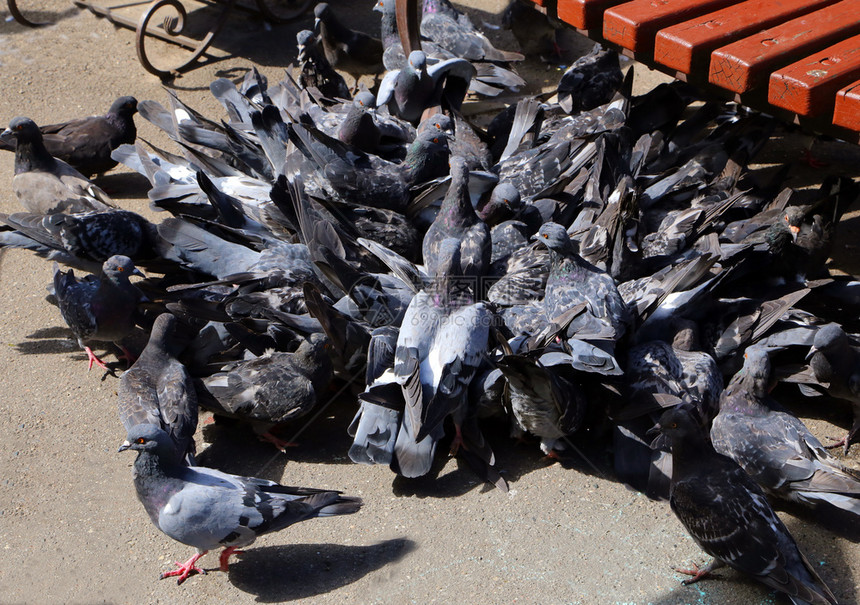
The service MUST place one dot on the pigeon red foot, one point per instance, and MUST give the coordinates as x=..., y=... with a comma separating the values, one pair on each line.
x=186, y=569
x=224, y=560
x=699, y=573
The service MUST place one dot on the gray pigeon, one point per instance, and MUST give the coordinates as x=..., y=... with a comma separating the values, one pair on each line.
x=158, y=390
x=273, y=388
x=44, y=184
x=102, y=308
x=207, y=509
x=410, y=90
x=730, y=518
x=775, y=447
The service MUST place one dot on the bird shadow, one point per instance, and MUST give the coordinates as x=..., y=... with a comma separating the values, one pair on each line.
x=124, y=185
x=54, y=339
x=289, y=572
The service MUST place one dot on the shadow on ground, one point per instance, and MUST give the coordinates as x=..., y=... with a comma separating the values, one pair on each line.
x=297, y=571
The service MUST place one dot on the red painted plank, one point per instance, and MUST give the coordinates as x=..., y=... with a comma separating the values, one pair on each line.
x=633, y=25
x=847, y=110
x=686, y=46
x=584, y=14
x=747, y=64
x=808, y=86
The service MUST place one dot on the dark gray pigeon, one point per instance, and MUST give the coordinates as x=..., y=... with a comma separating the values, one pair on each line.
x=352, y=51
x=208, y=509
x=591, y=81
x=99, y=309
x=274, y=388
x=86, y=143
x=730, y=518
x=44, y=184
x=314, y=69
x=835, y=362
x=775, y=447
x=158, y=390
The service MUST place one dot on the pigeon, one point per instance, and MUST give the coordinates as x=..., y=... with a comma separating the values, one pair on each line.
x=835, y=362
x=86, y=143
x=84, y=240
x=457, y=219
x=774, y=447
x=351, y=51
x=729, y=517
x=572, y=280
x=274, y=388
x=314, y=69
x=158, y=390
x=536, y=32
x=543, y=402
x=99, y=309
x=417, y=86
x=591, y=81
x=208, y=509
x=44, y=184
x=453, y=31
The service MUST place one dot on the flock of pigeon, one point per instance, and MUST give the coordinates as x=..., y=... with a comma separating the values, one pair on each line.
x=589, y=269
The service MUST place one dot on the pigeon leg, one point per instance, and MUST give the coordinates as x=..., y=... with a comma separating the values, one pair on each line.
x=127, y=355
x=93, y=359
x=458, y=440
x=698, y=573
x=185, y=569
x=225, y=556
x=277, y=441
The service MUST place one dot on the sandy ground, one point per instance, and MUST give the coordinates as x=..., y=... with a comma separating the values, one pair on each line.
x=71, y=529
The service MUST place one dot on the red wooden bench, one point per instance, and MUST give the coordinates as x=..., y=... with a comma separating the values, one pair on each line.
x=798, y=59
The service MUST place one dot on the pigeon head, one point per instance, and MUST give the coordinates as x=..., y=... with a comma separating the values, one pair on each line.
x=418, y=60
x=554, y=237
x=23, y=129
x=385, y=6
x=322, y=14
x=119, y=267
x=438, y=121
x=149, y=438
x=680, y=423
x=365, y=99
x=504, y=202
x=792, y=219
x=756, y=370
x=124, y=106
x=827, y=339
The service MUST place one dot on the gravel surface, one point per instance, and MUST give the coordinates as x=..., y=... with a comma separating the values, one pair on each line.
x=71, y=529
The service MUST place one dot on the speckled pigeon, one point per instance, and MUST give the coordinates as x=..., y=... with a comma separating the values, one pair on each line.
x=730, y=518
x=208, y=509
x=274, y=388
x=99, y=309
x=775, y=447
x=158, y=390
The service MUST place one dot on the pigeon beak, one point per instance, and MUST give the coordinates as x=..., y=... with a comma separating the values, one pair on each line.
x=317, y=24
x=812, y=351
x=6, y=133
x=138, y=272
x=125, y=445
x=302, y=53
x=653, y=432
x=794, y=231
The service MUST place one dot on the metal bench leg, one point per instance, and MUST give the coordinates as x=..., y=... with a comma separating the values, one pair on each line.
x=19, y=17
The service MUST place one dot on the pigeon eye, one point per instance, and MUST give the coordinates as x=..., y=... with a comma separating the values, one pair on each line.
x=120, y=269
x=140, y=440
x=435, y=140
x=545, y=236
x=674, y=425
